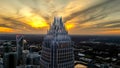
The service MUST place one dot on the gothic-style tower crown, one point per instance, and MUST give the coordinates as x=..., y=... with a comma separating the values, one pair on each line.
x=57, y=31
x=56, y=45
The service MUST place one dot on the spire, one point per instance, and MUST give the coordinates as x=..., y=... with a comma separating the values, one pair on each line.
x=61, y=19
x=58, y=22
x=57, y=26
x=55, y=19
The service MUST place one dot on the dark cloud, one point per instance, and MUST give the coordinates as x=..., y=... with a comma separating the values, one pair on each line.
x=94, y=13
x=114, y=26
x=4, y=25
x=15, y=24
x=92, y=18
x=98, y=15
x=86, y=10
x=107, y=24
x=110, y=24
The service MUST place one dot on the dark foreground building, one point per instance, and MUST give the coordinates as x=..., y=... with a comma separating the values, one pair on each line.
x=57, y=51
x=10, y=60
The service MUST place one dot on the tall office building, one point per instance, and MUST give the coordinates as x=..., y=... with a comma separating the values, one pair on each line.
x=9, y=57
x=57, y=51
x=9, y=60
x=19, y=42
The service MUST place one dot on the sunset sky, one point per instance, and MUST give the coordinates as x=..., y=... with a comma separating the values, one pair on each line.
x=81, y=17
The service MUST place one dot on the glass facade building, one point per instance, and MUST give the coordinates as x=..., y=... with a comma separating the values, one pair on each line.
x=57, y=51
x=19, y=42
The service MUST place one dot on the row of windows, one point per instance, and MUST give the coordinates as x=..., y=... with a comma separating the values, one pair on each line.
x=66, y=49
x=45, y=53
x=65, y=60
x=64, y=45
x=66, y=65
x=65, y=53
x=47, y=59
x=64, y=57
x=46, y=49
x=43, y=62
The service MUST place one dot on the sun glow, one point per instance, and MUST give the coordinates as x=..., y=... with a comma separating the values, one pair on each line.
x=37, y=22
x=69, y=26
x=34, y=20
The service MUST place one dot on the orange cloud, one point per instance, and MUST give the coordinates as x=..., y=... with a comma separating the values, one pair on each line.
x=4, y=29
x=111, y=32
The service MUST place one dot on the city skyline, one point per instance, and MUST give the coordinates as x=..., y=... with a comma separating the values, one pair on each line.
x=81, y=17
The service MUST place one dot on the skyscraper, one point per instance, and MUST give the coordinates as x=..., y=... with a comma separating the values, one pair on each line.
x=19, y=41
x=57, y=51
x=9, y=57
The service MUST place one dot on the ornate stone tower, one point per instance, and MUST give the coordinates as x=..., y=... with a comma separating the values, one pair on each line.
x=57, y=51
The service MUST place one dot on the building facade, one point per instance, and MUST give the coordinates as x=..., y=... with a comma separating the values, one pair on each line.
x=57, y=51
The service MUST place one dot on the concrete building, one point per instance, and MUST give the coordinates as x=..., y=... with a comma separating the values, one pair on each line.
x=57, y=51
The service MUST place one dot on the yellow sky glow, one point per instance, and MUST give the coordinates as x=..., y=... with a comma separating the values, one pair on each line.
x=69, y=26
x=33, y=19
x=37, y=22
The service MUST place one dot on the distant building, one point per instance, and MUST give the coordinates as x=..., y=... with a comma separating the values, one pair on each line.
x=25, y=53
x=1, y=50
x=32, y=60
x=19, y=41
x=57, y=51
